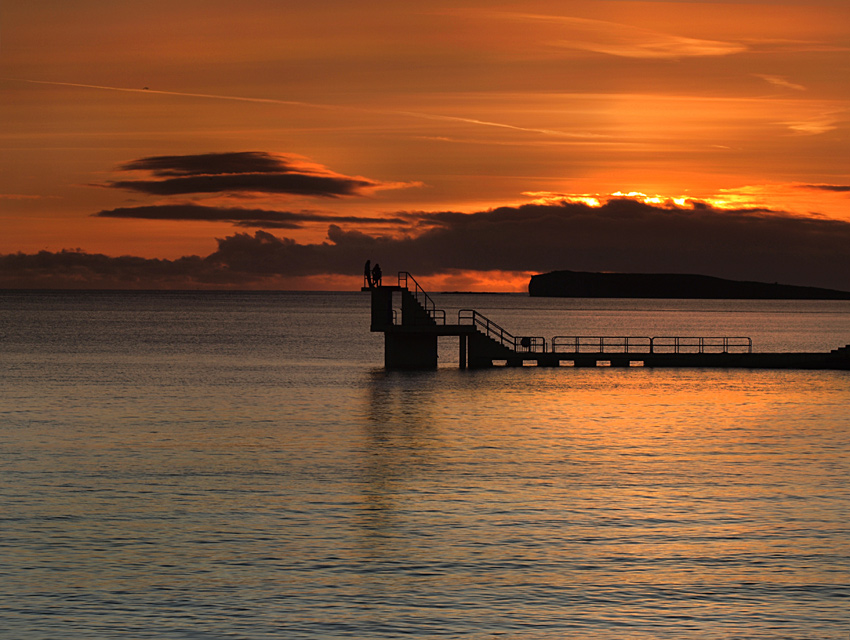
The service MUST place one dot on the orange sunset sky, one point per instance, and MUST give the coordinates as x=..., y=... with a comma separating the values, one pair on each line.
x=277, y=144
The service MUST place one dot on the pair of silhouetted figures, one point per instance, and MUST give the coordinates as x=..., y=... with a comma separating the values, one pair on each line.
x=372, y=275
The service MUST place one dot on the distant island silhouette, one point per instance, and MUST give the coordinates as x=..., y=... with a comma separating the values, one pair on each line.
x=584, y=284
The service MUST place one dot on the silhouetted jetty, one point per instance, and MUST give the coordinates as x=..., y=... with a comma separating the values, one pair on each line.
x=412, y=325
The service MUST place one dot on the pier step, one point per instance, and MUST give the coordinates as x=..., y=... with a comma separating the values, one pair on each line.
x=483, y=350
x=413, y=313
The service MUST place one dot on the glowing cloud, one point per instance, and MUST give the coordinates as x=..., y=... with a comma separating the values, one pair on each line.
x=779, y=81
x=813, y=126
x=624, y=40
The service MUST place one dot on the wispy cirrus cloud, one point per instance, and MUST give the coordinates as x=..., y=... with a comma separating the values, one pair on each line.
x=814, y=125
x=786, y=46
x=22, y=196
x=621, y=40
x=779, y=81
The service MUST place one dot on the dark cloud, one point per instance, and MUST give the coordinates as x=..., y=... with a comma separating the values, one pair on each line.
x=623, y=235
x=210, y=164
x=262, y=218
x=295, y=184
x=241, y=172
x=828, y=187
x=78, y=269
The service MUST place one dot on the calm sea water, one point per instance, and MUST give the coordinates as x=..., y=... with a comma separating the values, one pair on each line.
x=239, y=466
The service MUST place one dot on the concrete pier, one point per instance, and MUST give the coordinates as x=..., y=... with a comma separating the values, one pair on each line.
x=412, y=325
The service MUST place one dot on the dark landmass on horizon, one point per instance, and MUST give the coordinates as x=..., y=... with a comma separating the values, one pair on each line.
x=584, y=284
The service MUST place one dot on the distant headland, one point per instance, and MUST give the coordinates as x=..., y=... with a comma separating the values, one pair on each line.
x=583, y=284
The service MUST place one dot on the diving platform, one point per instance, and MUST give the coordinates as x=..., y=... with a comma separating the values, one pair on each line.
x=412, y=324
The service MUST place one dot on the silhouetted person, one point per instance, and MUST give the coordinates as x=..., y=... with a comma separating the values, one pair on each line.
x=367, y=273
x=376, y=275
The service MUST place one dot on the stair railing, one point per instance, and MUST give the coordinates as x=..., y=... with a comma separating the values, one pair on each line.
x=527, y=344
x=424, y=300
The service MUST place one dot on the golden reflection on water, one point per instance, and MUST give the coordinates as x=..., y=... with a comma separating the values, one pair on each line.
x=636, y=477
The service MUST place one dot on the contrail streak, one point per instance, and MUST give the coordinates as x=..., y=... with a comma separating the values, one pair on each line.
x=312, y=105
x=175, y=93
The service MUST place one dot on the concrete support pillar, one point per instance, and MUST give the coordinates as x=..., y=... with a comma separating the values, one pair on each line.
x=462, y=355
x=410, y=351
x=382, y=308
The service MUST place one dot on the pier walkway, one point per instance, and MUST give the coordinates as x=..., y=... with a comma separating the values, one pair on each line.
x=412, y=324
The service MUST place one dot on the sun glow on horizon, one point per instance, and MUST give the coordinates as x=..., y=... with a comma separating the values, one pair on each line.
x=787, y=199
x=599, y=200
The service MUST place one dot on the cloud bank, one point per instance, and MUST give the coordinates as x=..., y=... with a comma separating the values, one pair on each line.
x=622, y=235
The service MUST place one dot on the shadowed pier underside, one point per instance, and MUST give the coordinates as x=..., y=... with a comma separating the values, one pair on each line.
x=412, y=325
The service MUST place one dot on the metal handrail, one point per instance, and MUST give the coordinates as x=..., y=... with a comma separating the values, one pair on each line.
x=696, y=344
x=660, y=344
x=601, y=344
x=419, y=294
x=528, y=344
